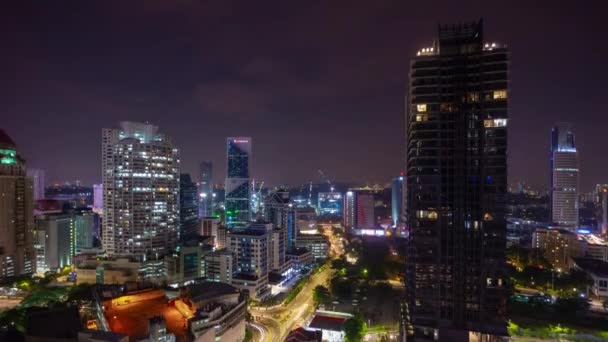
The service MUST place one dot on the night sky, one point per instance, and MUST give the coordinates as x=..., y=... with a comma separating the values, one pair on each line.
x=317, y=84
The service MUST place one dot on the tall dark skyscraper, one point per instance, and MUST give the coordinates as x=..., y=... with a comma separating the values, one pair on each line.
x=237, y=186
x=188, y=207
x=205, y=189
x=456, y=183
x=564, y=177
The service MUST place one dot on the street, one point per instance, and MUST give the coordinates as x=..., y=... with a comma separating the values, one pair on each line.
x=280, y=320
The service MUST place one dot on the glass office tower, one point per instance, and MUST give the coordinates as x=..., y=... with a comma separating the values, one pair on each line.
x=237, y=186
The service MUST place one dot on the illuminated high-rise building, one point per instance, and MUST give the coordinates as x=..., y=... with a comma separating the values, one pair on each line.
x=456, y=181
x=564, y=177
x=279, y=211
x=140, y=171
x=17, y=254
x=601, y=201
x=38, y=180
x=98, y=198
x=397, y=200
x=205, y=189
x=237, y=186
x=359, y=209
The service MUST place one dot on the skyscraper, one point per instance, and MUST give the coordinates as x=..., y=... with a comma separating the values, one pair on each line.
x=279, y=211
x=205, y=189
x=17, y=255
x=237, y=184
x=188, y=207
x=564, y=177
x=396, y=200
x=38, y=180
x=140, y=170
x=359, y=209
x=456, y=182
x=98, y=198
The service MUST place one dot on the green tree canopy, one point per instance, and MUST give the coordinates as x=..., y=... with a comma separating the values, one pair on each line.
x=354, y=329
x=320, y=294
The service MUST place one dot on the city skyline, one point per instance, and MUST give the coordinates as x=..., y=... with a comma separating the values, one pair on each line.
x=289, y=85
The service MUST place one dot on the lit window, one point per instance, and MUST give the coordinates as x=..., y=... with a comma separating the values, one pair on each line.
x=421, y=107
x=493, y=123
x=488, y=217
x=446, y=107
x=421, y=117
x=499, y=94
x=473, y=97
x=427, y=214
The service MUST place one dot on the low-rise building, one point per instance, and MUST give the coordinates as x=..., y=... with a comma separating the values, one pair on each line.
x=300, y=257
x=303, y=335
x=110, y=271
x=220, y=311
x=317, y=244
x=330, y=324
x=255, y=286
x=598, y=271
x=558, y=246
x=186, y=263
x=593, y=246
x=219, y=266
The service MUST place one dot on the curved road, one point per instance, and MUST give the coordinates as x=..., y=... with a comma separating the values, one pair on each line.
x=281, y=319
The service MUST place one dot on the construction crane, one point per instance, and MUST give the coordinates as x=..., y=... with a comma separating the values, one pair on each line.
x=325, y=178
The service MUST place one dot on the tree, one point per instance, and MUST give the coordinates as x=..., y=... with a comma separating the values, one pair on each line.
x=338, y=264
x=571, y=305
x=354, y=329
x=341, y=287
x=320, y=294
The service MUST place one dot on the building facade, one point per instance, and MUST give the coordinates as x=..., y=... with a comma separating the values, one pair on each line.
x=60, y=236
x=205, y=189
x=359, y=210
x=279, y=211
x=17, y=255
x=39, y=184
x=188, y=207
x=219, y=266
x=237, y=186
x=456, y=176
x=330, y=203
x=140, y=171
x=397, y=200
x=317, y=244
x=564, y=177
x=98, y=198
x=558, y=246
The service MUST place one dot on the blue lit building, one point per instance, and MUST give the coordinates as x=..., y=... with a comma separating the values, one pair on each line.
x=564, y=178
x=237, y=186
x=396, y=200
x=279, y=211
x=330, y=203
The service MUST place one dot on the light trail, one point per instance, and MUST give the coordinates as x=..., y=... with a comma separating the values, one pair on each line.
x=260, y=328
